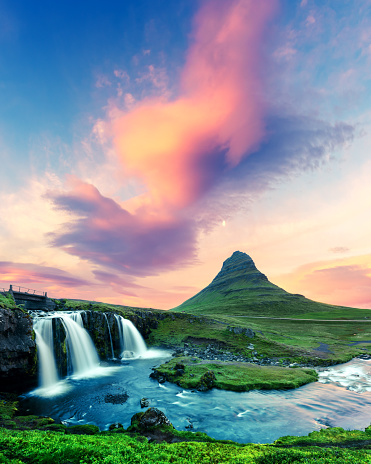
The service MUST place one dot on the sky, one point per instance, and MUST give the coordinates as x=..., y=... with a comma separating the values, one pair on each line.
x=142, y=142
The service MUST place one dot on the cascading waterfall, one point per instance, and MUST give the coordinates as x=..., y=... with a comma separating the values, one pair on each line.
x=110, y=336
x=131, y=341
x=43, y=328
x=81, y=350
x=82, y=357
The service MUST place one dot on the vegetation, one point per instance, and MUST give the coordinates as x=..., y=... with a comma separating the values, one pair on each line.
x=190, y=373
x=7, y=301
x=17, y=447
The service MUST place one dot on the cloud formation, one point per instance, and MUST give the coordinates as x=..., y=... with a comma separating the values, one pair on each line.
x=108, y=235
x=218, y=137
x=26, y=273
x=177, y=147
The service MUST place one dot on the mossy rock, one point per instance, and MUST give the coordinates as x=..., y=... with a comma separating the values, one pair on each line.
x=10, y=424
x=86, y=429
x=207, y=381
x=116, y=426
x=55, y=428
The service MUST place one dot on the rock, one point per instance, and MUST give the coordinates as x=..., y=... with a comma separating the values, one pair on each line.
x=118, y=398
x=115, y=426
x=149, y=419
x=144, y=403
x=242, y=330
x=207, y=381
x=18, y=361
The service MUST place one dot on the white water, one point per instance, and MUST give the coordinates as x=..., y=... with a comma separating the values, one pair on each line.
x=82, y=357
x=132, y=344
x=110, y=336
x=44, y=340
x=81, y=350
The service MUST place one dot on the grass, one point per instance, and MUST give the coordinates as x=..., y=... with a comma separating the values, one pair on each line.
x=7, y=301
x=17, y=447
x=234, y=376
x=293, y=340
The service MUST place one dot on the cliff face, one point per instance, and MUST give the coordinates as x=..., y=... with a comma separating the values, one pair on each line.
x=18, y=364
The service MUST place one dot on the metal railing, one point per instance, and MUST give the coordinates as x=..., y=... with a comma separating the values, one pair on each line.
x=25, y=290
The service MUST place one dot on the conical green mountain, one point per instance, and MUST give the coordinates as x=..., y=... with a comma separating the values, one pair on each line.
x=241, y=289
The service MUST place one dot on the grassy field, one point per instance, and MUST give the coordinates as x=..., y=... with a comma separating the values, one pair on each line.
x=39, y=447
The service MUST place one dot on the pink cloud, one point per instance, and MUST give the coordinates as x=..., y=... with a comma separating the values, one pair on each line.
x=108, y=235
x=346, y=285
x=171, y=144
x=46, y=276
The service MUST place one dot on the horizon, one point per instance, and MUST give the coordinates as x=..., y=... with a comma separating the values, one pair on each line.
x=142, y=143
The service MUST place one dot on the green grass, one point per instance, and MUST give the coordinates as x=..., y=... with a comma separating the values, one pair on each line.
x=39, y=447
x=294, y=340
x=236, y=376
x=7, y=301
x=330, y=436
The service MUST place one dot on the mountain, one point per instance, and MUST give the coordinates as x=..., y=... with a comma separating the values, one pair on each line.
x=241, y=289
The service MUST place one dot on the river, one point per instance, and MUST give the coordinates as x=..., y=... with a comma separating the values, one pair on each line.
x=112, y=393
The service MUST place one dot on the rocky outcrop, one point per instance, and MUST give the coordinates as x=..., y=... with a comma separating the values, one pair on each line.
x=18, y=364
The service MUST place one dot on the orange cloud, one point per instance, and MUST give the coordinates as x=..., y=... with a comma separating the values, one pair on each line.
x=342, y=282
x=178, y=147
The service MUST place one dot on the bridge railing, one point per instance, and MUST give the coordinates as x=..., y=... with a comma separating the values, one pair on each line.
x=28, y=291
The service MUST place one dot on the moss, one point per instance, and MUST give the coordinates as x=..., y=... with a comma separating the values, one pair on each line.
x=327, y=436
x=7, y=301
x=55, y=428
x=86, y=429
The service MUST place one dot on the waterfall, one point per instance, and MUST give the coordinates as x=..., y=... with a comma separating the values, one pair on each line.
x=81, y=350
x=44, y=339
x=131, y=341
x=82, y=357
x=110, y=336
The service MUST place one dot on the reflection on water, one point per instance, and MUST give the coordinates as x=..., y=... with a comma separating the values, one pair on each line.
x=341, y=398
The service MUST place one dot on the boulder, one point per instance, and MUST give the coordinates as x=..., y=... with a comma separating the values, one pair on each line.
x=207, y=381
x=150, y=419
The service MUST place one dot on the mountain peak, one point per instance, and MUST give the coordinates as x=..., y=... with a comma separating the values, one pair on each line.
x=240, y=265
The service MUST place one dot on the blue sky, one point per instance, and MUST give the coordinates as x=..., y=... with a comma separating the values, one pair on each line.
x=74, y=76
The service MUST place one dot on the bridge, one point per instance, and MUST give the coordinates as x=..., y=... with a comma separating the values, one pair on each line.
x=29, y=298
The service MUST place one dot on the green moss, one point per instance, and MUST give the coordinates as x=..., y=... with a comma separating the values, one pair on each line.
x=57, y=448
x=86, y=429
x=7, y=301
x=332, y=435
x=234, y=376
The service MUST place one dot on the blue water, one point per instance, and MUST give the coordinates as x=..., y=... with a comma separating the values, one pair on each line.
x=341, y=398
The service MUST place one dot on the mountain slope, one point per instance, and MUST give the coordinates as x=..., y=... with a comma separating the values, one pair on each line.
x=241, y=289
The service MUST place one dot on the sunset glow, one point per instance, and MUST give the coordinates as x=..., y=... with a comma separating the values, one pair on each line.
x=141, y=145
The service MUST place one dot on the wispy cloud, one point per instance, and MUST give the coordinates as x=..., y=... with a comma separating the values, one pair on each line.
x=46, y=276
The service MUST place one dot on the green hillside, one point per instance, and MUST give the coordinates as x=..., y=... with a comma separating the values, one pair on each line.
x=240, y=289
